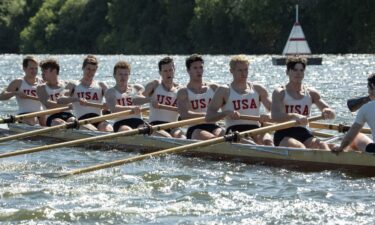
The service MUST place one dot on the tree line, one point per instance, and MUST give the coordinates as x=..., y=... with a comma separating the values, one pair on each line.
x=183, y=26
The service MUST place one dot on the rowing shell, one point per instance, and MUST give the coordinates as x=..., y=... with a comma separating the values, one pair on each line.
x=301, y=159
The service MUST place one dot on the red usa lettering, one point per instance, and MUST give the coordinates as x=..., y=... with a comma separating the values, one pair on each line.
x=88, y=95
x=55, y=96
x=297, y=109
x=199, y=103
x=30, y=92
x=244, y=104
x=125, y=101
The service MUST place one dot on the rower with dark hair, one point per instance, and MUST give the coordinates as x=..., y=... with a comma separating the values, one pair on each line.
x=293, y=102
x=193, y=100
x=160, y=93
x=53, y=89
x=353, y=138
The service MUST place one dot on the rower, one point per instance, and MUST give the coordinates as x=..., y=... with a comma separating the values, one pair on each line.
x=120, y=98
x=49, y=92
x=163, y=93
x=353, y=138
x=193, y=100
x=25, y=91
x=241, y=98
x=293, y=102
x=86, y=92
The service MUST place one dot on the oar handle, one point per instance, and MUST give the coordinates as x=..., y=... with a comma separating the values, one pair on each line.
x=338, y=127
x=247, y=117
x=168, y=107
x=95, y=105
x=33, y=114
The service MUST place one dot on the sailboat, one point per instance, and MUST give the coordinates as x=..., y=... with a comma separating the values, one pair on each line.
x=297, y=45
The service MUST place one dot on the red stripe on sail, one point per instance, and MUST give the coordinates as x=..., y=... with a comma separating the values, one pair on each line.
x=297, y=39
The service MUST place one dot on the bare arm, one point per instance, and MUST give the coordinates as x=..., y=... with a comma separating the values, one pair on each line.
x=68, y=98
x=110, y=98
x=327, y=112
x=264, y=96
x=219, y=99
x=349, y=137
x=147, y=93
x=183, y=105
x=44, y=98
x=11, y=90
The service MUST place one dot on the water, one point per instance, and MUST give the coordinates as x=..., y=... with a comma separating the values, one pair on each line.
x=181, y=190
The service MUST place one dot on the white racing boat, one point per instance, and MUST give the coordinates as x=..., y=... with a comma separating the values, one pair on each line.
x=302, y=159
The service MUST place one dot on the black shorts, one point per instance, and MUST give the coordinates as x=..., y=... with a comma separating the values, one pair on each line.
x=88, y=116
x=370, y=148
x=158, y=122
x=299, y=133
x=205, y=126
x=132, y=122
x=241, y=128
x=61, y=115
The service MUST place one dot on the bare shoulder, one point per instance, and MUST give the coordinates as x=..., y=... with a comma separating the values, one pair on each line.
x=182, y=93
x=259, y=88
x=110, y=92
x=313, y=92
x=138, y=87
x=103, y=85
x=279, y=91
x=213, y=86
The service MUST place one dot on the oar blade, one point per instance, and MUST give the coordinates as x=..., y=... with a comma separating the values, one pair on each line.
x=356, y=103
x=55, y=175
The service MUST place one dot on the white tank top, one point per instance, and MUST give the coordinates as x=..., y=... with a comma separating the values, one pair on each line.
x=54, y=94
x=94, y=94
x=126, y=99
x=299, y=106
x=199, y=102
x=29, y=105
x=245, y=104
x=165, y=98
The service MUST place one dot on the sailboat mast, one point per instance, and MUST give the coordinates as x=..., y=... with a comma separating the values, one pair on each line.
x=296, y=13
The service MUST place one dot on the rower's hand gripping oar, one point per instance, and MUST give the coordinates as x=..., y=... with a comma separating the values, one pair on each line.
x=338, y=127
x=355, y=103
x=70, y=125
x=143, y=130
x=230, y=137
x=13, y=119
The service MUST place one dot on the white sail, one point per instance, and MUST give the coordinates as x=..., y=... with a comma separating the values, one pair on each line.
x=296, y=44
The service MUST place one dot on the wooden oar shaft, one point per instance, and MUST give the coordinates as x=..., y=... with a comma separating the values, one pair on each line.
x=67, y=125
x=102, y=137
x=337, y=127
x=185, y=147
x=168, y=107
x=247, y=117
x=34, y=114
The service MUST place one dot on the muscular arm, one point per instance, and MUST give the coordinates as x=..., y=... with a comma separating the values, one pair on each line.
x=183, y=105
x=328, y=113
x=263, y=95
x=69, y=95
x=219, y=99
x=44, y=98
x=349, y=137
x=11, y=90
x=147, y=93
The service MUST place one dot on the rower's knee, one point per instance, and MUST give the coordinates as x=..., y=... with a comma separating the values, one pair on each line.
x=291, y=142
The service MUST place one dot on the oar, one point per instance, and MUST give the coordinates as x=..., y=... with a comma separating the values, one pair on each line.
x=338, y=127
x=69, y=125
x=143, y=130
x=16, y=118
x=200, y=144
x=355, y=103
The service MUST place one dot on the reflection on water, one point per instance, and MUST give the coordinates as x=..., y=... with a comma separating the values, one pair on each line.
x=176, y=189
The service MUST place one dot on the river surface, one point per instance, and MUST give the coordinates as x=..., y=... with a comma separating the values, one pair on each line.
x=184, y=190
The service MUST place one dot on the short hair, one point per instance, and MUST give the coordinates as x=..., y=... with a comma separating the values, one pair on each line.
x=121, y=65
x=50, y=64
x=371, y=80
x=90, y=59
x=164, y=61
x=238, y=59
x=293, y=60
x=26, y=60
x=193, y=58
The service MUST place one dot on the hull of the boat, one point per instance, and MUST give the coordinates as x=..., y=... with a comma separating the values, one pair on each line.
x=281, y=61
x=307, y=160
